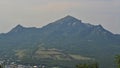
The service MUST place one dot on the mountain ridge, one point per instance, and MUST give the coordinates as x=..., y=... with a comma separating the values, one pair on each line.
x=68, y=34
x=64, y=19
x=65, y=27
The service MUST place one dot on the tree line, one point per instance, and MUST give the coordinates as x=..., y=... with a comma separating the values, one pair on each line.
x=96, y=65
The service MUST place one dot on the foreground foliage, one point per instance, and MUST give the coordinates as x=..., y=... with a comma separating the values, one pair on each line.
x=117, y=59
x=94, y=65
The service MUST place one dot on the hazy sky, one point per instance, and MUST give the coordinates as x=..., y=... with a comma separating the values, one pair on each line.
x=36, y=13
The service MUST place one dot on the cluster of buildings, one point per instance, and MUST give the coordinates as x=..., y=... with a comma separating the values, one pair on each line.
x=13, y=65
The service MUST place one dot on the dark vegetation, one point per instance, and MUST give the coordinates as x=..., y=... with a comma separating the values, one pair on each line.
x=96, y=65
x=117, y=60
x=92, y=65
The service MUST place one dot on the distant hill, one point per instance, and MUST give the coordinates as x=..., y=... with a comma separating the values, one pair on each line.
x=70, y=35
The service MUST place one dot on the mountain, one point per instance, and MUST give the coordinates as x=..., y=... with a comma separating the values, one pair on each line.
x=69, y=34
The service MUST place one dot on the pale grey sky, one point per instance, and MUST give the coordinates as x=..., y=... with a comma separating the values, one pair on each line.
x=37, y=13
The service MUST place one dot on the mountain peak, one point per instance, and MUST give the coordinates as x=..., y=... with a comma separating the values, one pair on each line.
x=100, y=27
x=18, y=28
x=68, y=17
x=68, y=20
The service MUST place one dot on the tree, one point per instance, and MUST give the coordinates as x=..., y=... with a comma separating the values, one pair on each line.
x=117, y=60
x=1, y=66
x=94, y=65
x=82, y=66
